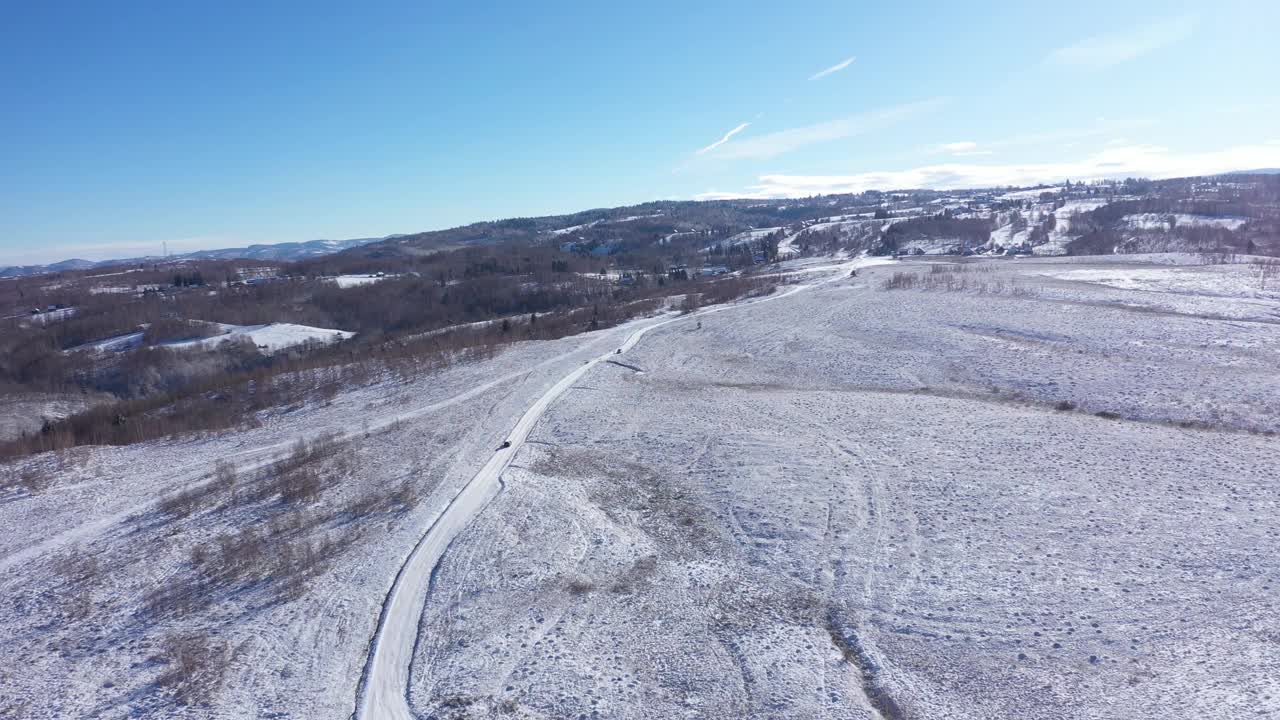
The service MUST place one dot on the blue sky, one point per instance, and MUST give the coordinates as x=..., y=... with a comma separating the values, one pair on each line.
x=125, y=125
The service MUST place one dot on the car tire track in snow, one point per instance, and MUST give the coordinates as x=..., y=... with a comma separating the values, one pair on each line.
x=383, y=690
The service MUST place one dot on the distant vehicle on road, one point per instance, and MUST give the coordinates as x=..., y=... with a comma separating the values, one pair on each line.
x=505, y=444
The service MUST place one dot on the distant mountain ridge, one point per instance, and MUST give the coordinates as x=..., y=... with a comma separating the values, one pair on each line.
x=604, y=231
x=277, y=251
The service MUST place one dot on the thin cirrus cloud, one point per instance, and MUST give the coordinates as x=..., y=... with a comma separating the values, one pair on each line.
x=111, y=250
x=1108, y=49
x=724, y=139
x=729, y=135
x=771, y=145
x=833, y=69
x=1110, y=163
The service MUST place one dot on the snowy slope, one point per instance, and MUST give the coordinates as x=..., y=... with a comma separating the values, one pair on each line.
x=270, y=338
x=347, y=281
x=748, y=530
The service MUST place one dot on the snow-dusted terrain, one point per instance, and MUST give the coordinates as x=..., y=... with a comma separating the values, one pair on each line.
x=866, y=503
x=1157, y=221
x=26, y=413
x=1044, y=489
x=350, y=281
x=270, y=338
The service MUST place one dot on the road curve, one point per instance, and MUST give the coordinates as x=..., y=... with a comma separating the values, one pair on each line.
x=383, y=692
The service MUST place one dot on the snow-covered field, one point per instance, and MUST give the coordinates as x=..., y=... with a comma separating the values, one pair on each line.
x=743, y=238
x=1234, y=280
x=348, y=281
x=575, y=228
x=269, y=338
x=1031, y=194
x=866, y=503
x=1165, y=221
x=847, y=501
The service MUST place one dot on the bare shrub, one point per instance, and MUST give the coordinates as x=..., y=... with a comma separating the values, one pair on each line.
x=242, y=555
x=955, y=278
x=401, y=498
x=640, y=571
x=298, y=562
x=580, y=586
x=278, y=558
x=303, y=453
x=177, y=597
x=947, y=268
x=78, y=571
x=166, y=330
x=404, y=497
x=224, y=476
x=301, y=486
x=899, y=281
x=297, y=479
x=76, y=566
x=1267, y=271
x=34, y=478
x=1218, y=257
x=182, y=504
x=196, y=667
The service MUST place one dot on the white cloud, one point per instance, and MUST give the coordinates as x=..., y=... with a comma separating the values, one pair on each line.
x=724, y=139
x=963, y=149
x=1113, y=162
x=1102, y=51
x=784, y=141
x=833, y=69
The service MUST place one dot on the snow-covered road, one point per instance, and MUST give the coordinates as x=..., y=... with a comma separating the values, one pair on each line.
x=383, y=690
